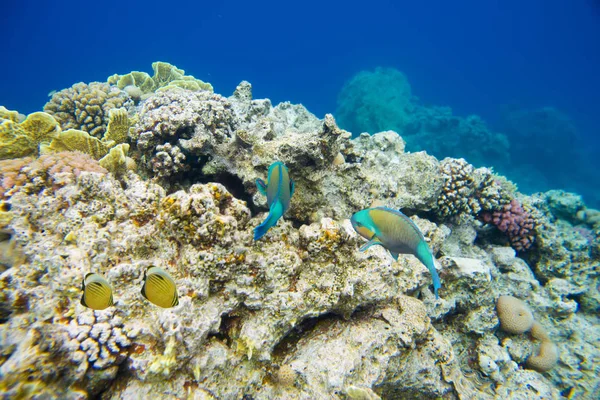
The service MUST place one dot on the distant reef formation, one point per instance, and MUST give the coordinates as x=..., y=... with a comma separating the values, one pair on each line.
x=540, y=149
x=114, y=177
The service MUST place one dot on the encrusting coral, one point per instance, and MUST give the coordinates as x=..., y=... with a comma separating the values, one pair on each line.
x=302, y=313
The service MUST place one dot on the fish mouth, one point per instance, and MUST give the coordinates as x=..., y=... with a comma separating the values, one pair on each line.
x=361, y=229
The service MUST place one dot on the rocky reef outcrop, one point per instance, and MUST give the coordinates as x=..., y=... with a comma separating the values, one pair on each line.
x=301, y=313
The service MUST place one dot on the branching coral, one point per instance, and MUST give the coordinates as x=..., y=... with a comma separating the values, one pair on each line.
x=517, y=223
x=477, y=193
x=86, y=106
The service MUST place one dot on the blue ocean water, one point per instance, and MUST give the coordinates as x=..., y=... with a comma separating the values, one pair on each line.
x=489, y=58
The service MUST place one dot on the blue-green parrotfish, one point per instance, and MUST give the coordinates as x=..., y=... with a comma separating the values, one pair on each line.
x=279, y=190
x=397, y=233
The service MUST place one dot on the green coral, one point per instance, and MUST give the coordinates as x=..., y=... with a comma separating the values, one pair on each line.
x=23, y=139
x=166, y=76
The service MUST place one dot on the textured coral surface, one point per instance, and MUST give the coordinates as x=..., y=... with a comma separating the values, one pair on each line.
x=302, y=313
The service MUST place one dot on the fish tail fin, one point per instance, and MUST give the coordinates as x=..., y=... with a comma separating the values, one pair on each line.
x=274, y=214
x=436, y=278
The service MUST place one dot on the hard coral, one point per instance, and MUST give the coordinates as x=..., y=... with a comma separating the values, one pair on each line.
x=514, y=315
x=86, y=106
x=50, y=170
x=458, y=187
x=22, y=139
x=190, y=123
x=517, y=223
x=166, y=76
x=467, y=191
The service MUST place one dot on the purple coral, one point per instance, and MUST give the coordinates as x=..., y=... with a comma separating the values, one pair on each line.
x=513, y=220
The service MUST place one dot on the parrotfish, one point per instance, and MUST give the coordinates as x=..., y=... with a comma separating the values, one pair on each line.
x=97, y=293
x=397, y=233
x=279, y=190
x=159, y=288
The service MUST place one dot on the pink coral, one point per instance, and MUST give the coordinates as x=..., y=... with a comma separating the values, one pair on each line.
x=10, y=173
x=517, y=223
x=51, y=170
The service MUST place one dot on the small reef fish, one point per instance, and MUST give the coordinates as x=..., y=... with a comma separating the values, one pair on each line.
x=397, y=233
x=97, y=292
x=159, y=288
x=279, y=190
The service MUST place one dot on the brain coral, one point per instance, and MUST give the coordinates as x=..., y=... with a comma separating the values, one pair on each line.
x=514, y=315
x=86, y=106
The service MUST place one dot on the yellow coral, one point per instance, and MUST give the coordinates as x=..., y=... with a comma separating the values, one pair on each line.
x=162, y=364
x=7, y=114
x=116, y=161
x=166, y=77
x=86, y=106
x=5, y=218
x=135, y=78
x=189, y=84
x=165, y=73
x=22, y=139
x=76, y=140
x=118, y=126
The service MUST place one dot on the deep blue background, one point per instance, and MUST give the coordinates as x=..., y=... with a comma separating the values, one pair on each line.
x=475, y=56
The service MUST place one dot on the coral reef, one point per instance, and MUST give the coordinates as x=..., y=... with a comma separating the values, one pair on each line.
x=178, y=126
x=87, y=107
x=517, y=223
x=380, y=100
x=20, y=139
x=302, y=313
x=166, y=76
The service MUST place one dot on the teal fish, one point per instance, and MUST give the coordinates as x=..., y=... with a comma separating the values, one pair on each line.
x=279, y=190
x=397, y=233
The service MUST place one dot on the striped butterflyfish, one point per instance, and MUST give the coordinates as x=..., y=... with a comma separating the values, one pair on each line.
x=159, y=288
x=97, y=292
